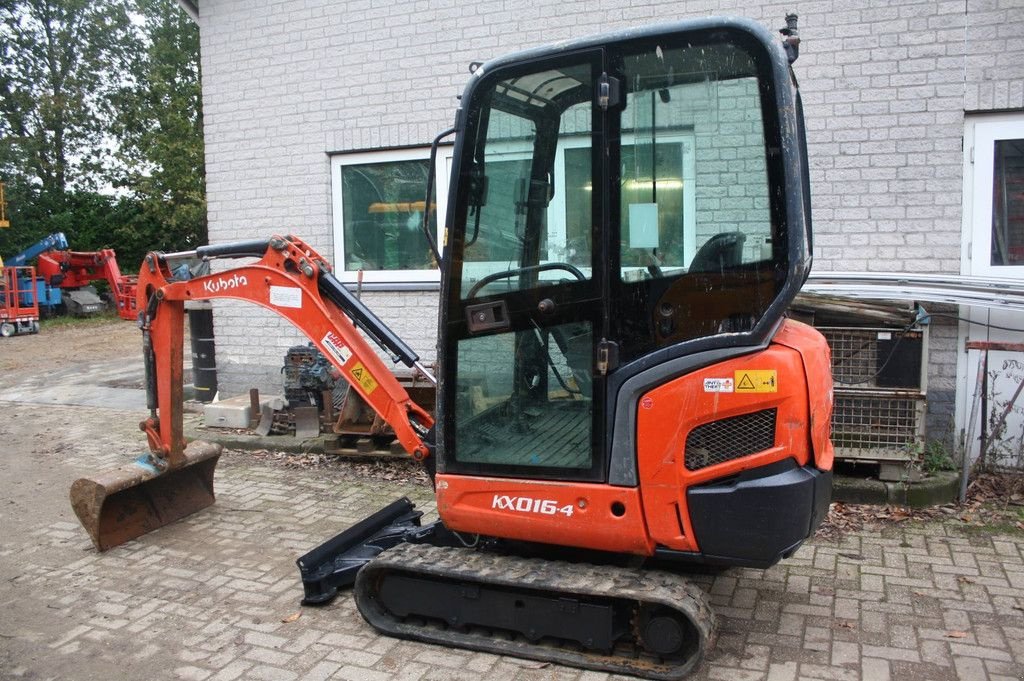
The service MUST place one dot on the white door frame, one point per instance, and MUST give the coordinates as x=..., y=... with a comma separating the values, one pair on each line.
x=980, y=133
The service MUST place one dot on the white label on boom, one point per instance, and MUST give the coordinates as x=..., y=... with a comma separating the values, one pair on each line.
x=286, y=296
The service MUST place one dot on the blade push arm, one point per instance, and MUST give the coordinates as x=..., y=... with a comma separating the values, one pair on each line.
x=293, y=280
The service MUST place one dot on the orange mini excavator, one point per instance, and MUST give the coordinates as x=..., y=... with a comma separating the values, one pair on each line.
x=620, y=395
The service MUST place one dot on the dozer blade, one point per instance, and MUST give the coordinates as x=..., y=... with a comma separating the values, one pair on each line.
x=333, y=565
x=123, y=503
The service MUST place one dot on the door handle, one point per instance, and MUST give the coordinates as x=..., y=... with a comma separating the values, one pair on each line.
x=487, y=317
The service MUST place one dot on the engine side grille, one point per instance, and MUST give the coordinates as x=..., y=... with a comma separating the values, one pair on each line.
x=731, y=438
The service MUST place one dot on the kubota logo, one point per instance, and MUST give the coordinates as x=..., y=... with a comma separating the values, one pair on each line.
x=222, y=284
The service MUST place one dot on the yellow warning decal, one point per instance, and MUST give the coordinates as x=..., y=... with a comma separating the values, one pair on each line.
x=363, y=378
x=757, y=381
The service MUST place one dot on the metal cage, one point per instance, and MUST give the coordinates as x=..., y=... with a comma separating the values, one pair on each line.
x=880, y=392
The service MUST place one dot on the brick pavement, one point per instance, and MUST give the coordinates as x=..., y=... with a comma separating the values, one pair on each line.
x=204, y=599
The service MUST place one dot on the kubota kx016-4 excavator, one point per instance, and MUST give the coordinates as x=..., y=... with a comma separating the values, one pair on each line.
x=618, y=386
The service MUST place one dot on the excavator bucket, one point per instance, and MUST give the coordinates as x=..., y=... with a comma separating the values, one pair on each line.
x=123, y=503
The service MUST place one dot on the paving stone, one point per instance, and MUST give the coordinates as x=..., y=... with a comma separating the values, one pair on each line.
x=875, y=670
x=203, y=600
x=970, y=668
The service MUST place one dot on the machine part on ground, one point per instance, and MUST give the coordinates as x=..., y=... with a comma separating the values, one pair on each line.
x=83, y=302
x=124, y=503
x=307, y=421
x=307, y=374
x=610, y=390
x=612, y=619
x=358, y=419
x=266, y=422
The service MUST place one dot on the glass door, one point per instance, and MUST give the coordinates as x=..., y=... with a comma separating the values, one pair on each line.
x=701, y=249
x=525, y=308
x=994, y=247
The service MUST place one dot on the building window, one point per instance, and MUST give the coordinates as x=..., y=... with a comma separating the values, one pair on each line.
x=994, y=195
x=378, y=201
x=378, y=208
x=1008, y=203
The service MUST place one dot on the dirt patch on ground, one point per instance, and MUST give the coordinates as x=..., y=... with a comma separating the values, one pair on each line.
x=383, y=470
x=63, y=343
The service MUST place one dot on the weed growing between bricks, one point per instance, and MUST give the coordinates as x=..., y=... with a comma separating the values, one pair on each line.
x=994, y=502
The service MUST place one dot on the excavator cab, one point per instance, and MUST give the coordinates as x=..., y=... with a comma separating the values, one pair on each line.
x=619, y=205
x=619, y=385
x=626, y=210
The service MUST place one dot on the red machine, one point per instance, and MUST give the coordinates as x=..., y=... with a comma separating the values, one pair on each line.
x=620, y=394
x=19, y=308
x=75, y=270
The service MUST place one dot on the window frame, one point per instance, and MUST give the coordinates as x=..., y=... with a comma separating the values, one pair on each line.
x=980, y=170
x=427, y=278
x=558, y=220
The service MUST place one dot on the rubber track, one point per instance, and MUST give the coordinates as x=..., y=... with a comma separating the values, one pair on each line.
x=570, y=579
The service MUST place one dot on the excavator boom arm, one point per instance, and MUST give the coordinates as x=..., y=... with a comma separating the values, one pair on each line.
x=293, y=280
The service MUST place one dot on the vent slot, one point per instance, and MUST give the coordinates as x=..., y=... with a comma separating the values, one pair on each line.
x=727, y=439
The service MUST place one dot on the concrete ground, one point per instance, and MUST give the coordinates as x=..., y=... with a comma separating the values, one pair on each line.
x=215, y=597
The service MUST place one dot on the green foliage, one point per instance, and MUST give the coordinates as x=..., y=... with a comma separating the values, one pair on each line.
x=936, y=458
x=157, y=117
x=101, y=126
x=65, y=321
x=58, y=58
x=90, y=221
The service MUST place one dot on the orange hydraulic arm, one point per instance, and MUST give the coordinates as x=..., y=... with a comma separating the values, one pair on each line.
x=294, y=281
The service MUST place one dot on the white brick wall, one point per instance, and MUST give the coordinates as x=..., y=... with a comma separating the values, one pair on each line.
x=885, y=87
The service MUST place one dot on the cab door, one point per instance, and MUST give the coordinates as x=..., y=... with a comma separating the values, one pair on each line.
x=525, y=277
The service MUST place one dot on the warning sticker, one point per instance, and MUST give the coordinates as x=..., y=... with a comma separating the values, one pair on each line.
x=363, y=378
x=757, y=381
x=718, y=385
x=336, y=347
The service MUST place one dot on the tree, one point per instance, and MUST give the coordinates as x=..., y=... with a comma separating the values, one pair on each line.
x=101, y=125
x=57, y=57
x=157, y=118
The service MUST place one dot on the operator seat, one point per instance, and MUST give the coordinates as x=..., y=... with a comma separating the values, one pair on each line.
x=720, y=252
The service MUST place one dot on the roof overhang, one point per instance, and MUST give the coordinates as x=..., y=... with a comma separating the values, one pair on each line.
x=191, y=8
